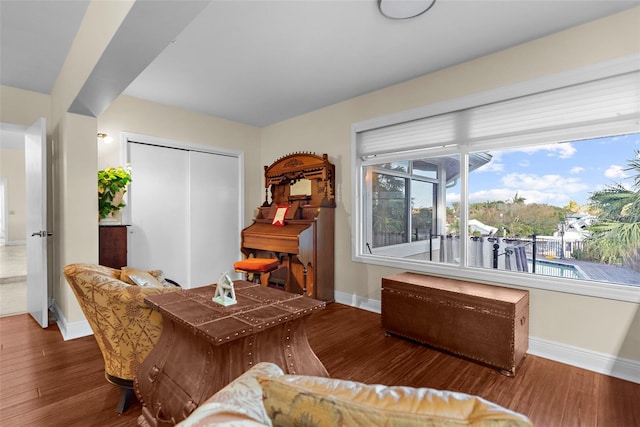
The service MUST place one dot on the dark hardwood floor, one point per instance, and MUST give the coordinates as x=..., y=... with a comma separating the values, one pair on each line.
x=45, y=381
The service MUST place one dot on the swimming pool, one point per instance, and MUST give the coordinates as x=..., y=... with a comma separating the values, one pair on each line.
x=556, y=269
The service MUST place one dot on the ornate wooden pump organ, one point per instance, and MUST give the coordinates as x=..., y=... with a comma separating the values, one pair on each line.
x=301, y=185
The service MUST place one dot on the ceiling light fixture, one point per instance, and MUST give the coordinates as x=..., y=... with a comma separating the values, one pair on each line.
x=104, y=138
x=404, y=9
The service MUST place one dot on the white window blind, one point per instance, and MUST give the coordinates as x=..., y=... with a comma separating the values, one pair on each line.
x=574, y=109
x=579, y=111
x=423, y=133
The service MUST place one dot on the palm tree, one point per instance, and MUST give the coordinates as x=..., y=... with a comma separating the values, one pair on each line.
x=517, y=200
x=617, y=233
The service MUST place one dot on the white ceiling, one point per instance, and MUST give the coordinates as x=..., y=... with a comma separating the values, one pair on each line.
x=264, y=61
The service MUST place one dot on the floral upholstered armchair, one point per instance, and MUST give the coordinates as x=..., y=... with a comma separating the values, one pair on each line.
x=125, y=328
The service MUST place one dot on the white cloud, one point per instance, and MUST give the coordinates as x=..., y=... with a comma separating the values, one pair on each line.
x=615, y=172
x=492, y=166
x=633, y=138
x=452, y=197
x=551, y=183
x=576, y=170
x=557, y=198
x=550, y=189
x=563, y=150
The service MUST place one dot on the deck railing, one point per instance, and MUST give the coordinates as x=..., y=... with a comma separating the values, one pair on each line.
x=487, y=251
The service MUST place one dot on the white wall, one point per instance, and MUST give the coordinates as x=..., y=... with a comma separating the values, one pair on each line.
x=12, y=169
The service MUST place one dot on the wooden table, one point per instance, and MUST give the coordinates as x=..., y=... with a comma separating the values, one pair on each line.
x=204, y=345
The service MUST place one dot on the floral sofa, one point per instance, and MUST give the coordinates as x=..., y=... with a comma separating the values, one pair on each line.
x=264, y=396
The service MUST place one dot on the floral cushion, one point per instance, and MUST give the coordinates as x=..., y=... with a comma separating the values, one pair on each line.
x=237, y=404
x=147, y=278
x=295, y=400
x=124, y=326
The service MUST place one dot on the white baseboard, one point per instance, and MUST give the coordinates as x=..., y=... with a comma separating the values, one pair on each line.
x=354, y=300
x=601, y=363
x=68, y=330
x=614, y=366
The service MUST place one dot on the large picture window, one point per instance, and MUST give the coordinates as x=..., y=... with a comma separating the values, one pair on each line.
x=540, y=190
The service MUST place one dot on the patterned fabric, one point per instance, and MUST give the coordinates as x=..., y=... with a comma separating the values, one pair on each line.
x=295, y=400
x=135, y=276
x=124, y=326
x=237, y=404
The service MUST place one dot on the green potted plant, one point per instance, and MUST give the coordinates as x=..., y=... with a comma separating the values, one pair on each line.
x=112, y=185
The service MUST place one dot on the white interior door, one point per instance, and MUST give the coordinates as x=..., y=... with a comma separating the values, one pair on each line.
x=36, y=186
x=159, y=200
x=215, y=216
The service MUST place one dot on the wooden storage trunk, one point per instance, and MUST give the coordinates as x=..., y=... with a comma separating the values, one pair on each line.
x=489, y=324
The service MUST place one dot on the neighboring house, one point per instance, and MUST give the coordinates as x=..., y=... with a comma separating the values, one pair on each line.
x=579, y=222
x=476, y=226
x=572, y=232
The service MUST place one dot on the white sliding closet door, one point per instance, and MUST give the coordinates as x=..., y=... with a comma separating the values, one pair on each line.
x=159, y=200
x=185, y=212
x=215, y=216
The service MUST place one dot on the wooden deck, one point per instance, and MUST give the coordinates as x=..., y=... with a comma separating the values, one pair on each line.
x=603, y=272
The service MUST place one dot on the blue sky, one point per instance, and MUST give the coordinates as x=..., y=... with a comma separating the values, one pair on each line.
x=553, y=174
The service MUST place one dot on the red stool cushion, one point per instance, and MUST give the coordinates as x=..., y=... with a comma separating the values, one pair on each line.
x=256, y=264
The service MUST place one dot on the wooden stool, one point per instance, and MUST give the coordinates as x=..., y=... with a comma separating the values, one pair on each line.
x=256, y=266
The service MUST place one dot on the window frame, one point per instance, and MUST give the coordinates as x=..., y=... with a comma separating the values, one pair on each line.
x=612, y=291
x=408, y=177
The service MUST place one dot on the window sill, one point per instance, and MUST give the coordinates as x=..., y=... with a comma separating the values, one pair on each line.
x=612, y=291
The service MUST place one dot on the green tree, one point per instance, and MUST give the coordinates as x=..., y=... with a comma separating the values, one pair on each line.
x=389, y=205
x=516, y=218
x=616, y=236
x=421, y=218
x=573, y=207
